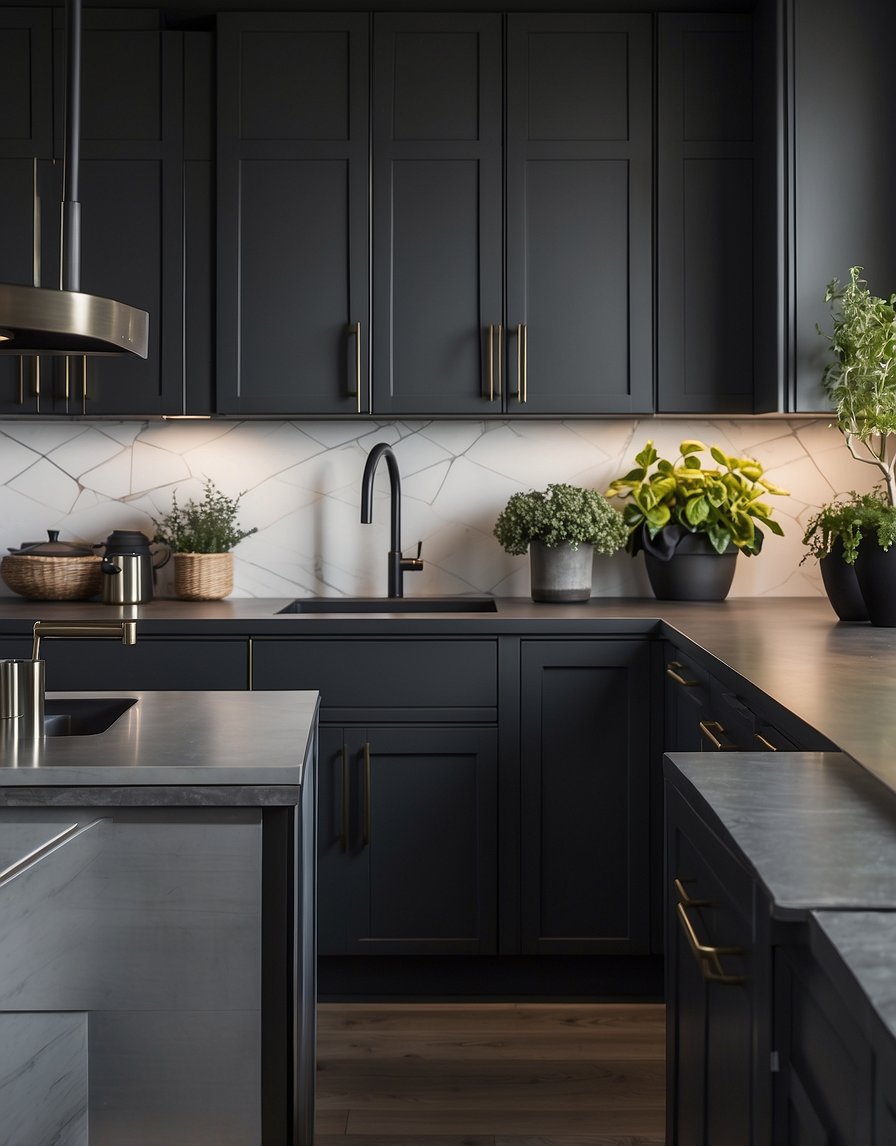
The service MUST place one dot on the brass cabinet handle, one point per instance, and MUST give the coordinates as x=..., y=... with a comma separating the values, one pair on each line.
x=766, y=744
x=495, y=376
x=343, y=833
x=522, y=362
x=365, y=839
x=355, y=329
x=672, y=672
x=714, y=731
x=707, y=955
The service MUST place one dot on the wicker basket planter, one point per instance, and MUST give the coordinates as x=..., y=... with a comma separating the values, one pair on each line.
x=53, y=578
x=203, y=576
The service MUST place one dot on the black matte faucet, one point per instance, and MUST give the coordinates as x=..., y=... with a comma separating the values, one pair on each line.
x=398, y=565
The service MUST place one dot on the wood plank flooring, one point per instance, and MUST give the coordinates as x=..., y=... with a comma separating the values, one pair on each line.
x=492, y=1074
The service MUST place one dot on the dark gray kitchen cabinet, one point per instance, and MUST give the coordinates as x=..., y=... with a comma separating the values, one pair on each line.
x=823, y=1091
x=579, y=211
x=437, y=213
x=715, y=306
x=408, y=817
x=569, y=332
x=584, y=791
x=26, y=152
x=408, y=840
x=839, y=173
x=132, y=213
x=292, y=240
x=153, y=663
x=716, y=1092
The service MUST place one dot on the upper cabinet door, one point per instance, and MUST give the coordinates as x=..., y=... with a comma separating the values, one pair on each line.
x=579, y=214
x=26, y=148
x=437, y=220
x=131, y=207
x=841, y=185
x=705, y=235
x=293, y=305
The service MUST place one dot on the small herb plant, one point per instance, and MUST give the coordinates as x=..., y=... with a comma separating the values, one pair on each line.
x=561, y=513
x=861, y=379
x=207, y=526
x=850, y=519
x=725, y=502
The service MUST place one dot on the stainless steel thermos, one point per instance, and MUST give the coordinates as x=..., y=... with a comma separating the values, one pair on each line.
x=128, y=567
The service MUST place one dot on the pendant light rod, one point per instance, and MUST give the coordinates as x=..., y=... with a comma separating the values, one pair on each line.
x=70, y=256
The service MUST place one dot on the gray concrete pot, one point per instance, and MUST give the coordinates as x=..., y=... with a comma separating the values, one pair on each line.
x=561, y=573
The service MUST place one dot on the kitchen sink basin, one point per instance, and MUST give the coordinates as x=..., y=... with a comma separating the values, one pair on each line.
x=85, y=717
x=391, y=605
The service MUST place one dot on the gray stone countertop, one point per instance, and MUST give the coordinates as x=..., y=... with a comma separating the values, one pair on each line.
x=819, y=832
x=839, y=679
x=174, y=739
x=863, y=942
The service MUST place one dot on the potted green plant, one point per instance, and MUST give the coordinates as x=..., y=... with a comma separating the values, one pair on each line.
x=561, y=527
x=692, y=521
x=201, y=536
x=860, y=381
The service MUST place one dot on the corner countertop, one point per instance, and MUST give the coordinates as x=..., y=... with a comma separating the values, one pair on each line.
x=863, y=942
x=175, y=739
x=818, y=832
x=839, y=679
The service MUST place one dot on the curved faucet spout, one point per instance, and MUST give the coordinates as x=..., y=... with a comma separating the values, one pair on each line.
x=397, y=565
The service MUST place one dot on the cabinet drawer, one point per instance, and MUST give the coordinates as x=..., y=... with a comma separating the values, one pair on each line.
x=377, y=674
x=153, y=663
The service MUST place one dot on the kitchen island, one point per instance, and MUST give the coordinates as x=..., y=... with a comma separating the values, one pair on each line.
x=157, y=977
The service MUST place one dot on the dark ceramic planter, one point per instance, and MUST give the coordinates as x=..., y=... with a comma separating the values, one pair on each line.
x=876, y=573
x=841, y=584
x=693, y=572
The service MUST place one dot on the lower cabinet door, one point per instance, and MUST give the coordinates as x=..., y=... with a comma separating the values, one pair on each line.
x=584, y=760
x=407, y=852
x=712, y=1096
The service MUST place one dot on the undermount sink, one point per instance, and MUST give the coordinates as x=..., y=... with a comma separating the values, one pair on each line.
x=85, y=717
x=391, y=605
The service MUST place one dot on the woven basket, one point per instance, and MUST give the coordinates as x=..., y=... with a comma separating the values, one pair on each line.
x=203, y=576
x=53, y=578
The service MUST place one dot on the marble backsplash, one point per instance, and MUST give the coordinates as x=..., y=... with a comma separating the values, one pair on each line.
x=300, y=484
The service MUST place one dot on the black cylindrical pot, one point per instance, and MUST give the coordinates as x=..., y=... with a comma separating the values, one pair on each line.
x=694, y=572
x=876, y=573
x=841, y=584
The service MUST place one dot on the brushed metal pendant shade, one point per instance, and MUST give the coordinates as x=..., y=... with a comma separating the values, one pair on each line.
x=41, y=320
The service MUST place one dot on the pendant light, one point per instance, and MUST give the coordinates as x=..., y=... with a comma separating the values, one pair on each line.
x=40, y=320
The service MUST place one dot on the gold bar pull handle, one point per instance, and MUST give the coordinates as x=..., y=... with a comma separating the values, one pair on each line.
x=355, y=330
x=490, y=362
x=713, y=731
x=21, y=380
x=365, y=836
x=522, y=362
x=708, y=956
x=672, y=671
x=343, y=828
x=766, y=744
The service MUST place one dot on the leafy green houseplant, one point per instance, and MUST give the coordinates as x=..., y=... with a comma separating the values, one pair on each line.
x=561, y=527
x=724, y=502
x=680, y=513
x=860, y=381
x=201, y=536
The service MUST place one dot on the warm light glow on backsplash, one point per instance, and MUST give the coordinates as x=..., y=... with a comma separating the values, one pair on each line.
x=302, y=490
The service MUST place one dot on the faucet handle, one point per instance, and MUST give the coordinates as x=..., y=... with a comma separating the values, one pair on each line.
x=413, y=564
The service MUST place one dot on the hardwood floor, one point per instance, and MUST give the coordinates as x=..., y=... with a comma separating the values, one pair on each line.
x=493, y=1074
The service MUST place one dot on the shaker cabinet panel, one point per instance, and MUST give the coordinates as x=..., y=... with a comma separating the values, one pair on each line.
x=437, y=214
x=584, y=791
x=841, y=178
x=293, y=305
x=706, y=175
x=579, y=206
x=408, y=840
